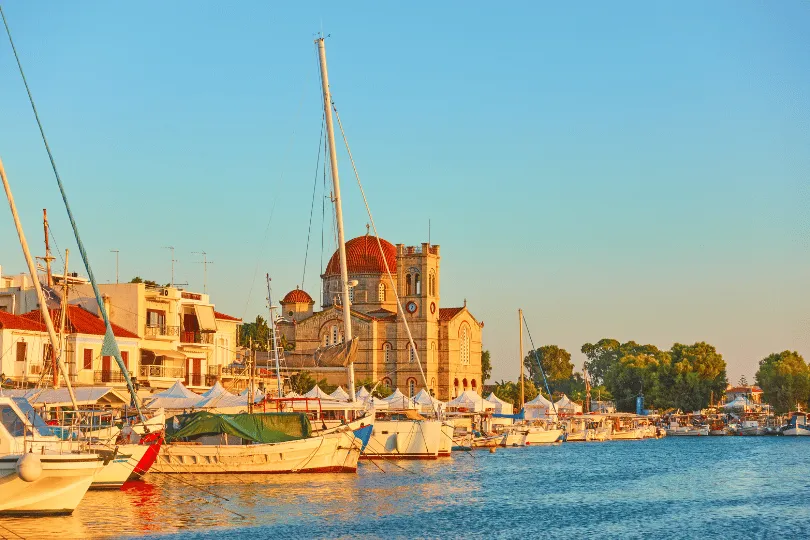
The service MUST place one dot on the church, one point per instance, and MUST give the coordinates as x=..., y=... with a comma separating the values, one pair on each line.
x=447, y=339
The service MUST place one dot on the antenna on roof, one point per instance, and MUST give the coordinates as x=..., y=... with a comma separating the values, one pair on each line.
x=205, y=262
x=173, y=261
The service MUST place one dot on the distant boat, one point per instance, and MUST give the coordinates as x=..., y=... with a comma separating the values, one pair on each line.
x=797, y=425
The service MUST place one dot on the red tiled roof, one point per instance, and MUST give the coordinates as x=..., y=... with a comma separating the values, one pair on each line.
x=447, y=313
x=743, y=389
x=15, y=322
x=223, y=317
x=298, y=296
x=81, y=321
x=363, y=257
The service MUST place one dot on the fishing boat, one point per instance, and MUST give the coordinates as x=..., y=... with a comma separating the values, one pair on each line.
x=405, y=435
x=204, y=442
x=676, y=429
x=41, y=481
x=531, y=434
x=797, y=425
x=625, y=427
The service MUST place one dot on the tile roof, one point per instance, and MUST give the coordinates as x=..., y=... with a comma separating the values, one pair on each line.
x=223, y=317
x=15, y=322
x=80, y=321
x=447, y=313
x=363, y=257
x=298, y=296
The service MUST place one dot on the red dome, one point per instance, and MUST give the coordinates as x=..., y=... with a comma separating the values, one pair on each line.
x=297, y=297
x=363, y=257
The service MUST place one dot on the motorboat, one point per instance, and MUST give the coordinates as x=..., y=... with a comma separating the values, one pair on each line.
x=405, y=435
x=48, y=481
x=797, y=425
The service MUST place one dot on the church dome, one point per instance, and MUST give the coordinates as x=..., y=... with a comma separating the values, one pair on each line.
x=297, y=296
x=363, y=257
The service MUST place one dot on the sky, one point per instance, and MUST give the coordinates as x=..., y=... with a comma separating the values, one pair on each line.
x=637, y=170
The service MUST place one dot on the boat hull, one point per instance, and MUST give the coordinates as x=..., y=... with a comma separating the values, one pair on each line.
x=333, y=452
x=404, y=439
x=123, y=461
x=59, y=489
x=628, y=435
x=796, y=432
x=446, y=438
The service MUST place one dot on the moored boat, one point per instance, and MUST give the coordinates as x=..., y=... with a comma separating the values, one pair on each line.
x=797, y=425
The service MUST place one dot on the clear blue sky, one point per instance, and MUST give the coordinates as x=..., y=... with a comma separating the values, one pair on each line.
x=633, y=170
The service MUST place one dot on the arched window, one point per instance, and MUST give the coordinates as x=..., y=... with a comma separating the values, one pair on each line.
x=433, y=386
x=432, y=283
x=455, y=388
x=386, y=382
x=351, y=294
x=473, y=385
x=411, y=387
x=326, y=339
x=464, y=345
x=381, y=292
x=417, y=284
x=334, y=334
x=411, y=353
x=464, y=382
x=407, y=284
x=342, y=339
x=387, y=352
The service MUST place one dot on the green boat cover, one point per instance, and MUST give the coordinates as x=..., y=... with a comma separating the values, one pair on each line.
x=256, y=427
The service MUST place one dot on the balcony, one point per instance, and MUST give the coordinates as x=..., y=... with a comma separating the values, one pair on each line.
x=206, y=338
x=194, y=379
x=161, y=331
x=161, y=372
x=109, y=376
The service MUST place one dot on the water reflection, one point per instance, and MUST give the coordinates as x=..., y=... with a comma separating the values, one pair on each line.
x=681, y=487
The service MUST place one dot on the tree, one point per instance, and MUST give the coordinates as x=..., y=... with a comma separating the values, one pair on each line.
x=486, y=366
x=257, y=333
x=302, y=382
x=696, y=374
x=785, y=379
x=147, y=282
x=601, y=357
x=510, y=391
x=377, y=390
x=743, y=381
x=632, y=376
x=556, y=364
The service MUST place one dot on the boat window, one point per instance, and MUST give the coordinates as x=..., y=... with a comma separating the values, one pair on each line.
x=11, y=421
x=33, y=417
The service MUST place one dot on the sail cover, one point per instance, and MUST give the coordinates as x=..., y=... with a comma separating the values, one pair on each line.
x=257, y=427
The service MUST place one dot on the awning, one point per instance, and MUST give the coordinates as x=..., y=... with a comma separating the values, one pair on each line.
x=168, y=353
x=205, y=318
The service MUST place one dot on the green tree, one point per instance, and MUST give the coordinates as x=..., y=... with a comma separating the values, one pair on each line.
x=556, y=364
x=257, y=333
x=302, y=382
x=632, y=376
x=510, y=391
x=785, y=379
x=377, y=390
x=696, y=374
x=601, y=356
x=486, y=366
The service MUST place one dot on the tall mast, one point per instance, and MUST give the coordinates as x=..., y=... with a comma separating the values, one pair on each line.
x=43, y=306
x=344, y=272
x=520, y=328
x=273, y=328
x=62, y=319
x=48, y=257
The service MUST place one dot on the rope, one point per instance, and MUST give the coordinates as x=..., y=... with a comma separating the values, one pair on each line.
x=400, y=310
x=109, y=333
x=312, y=204
x=542, y=372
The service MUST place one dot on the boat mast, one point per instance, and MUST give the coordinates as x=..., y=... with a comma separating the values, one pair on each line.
x=344, y=272
x=520, y=327
x=48, y=257
x=273, y=328
x=43, y=306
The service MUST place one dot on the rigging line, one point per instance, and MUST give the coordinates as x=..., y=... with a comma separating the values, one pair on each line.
x=542, y=372
x=312, y=204
x=400, y=310
x=109, y=339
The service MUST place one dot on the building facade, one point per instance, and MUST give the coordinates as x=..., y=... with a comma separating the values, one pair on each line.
x=447, y=339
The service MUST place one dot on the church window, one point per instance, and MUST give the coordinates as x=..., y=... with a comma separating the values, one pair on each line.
x=411, y=387
x=351, y=294
x=417, y=284
x=386, y=352
x=464, y=345
x=326, y=340
x=381, y=292
x=411, y=353
x=386, y=382
x=464, y=382
x=334, y=334
x=432, y=284
x=342, y=338
x=473, y=385
x=407, y=284
x=433, y=386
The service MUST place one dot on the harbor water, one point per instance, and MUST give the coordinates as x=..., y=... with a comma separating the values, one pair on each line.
x=678, y=487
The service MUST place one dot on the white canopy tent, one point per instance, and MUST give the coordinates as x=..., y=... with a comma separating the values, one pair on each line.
x=317, y=393
x=539, y=407
x=362, y=393
x=428, y=403
x=292, y=394
x=501, y=407
x=398, y=400
x=566, y=406
x=177, y=396
x=340, y=394
x=739, y=403
x=219, y=398
x=471, y=401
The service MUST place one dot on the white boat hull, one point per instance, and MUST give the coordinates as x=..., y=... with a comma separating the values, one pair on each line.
x=446, y=438
x=625, y=435
x=797, y=432
x=120, y=468
x=333, y=452
x=405, y=439
x=541, y=436
x=64, y=480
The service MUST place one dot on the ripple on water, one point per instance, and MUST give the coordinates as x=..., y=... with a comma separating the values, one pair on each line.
x=669, y=488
